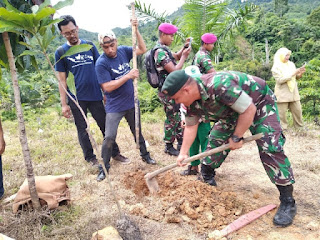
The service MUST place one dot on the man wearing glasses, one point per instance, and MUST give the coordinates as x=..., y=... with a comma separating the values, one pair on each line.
x=88, y=93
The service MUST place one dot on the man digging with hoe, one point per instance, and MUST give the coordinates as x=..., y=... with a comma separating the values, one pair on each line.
x=235, y=102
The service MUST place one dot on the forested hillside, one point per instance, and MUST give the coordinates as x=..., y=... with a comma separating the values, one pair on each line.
x=248, y=47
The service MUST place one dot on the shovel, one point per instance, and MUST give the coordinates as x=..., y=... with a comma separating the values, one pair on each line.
x=151, y=181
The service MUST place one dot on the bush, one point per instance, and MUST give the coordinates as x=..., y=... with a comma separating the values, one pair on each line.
x=148, y=97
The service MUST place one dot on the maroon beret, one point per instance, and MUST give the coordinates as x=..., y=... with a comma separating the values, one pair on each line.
x=209, y=38
x=168, y=28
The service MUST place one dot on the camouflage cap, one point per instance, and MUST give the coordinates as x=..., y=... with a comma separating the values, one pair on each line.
x=174, y=82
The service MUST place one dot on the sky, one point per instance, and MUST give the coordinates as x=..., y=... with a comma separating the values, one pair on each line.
x=101, y=15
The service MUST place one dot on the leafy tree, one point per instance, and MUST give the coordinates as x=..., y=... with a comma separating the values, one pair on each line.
x=314, y=18
x=38, y=25
x=38, y=30
x=281, y=7
x=309, y=86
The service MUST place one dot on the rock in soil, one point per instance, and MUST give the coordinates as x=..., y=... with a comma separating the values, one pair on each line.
x=128, y=229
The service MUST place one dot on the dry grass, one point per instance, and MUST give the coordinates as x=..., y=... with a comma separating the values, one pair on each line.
x=56, y=151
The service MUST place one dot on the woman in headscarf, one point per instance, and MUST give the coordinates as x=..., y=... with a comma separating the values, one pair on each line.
x=286, y=90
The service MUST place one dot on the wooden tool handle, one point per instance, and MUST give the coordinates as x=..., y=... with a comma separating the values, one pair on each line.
x=201, y=155
x=246, y=219
x=135, y=81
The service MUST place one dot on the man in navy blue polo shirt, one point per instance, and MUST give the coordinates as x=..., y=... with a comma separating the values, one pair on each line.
x=116, y=79
x=88, y=92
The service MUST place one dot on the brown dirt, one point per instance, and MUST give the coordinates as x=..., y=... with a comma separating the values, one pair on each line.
x=187, y=200
x=185, y=208
x=243, y=186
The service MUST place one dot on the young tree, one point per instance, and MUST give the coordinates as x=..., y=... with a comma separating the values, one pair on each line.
x=38, y=25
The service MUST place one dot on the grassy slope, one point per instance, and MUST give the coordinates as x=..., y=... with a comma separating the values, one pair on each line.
x=56, y=151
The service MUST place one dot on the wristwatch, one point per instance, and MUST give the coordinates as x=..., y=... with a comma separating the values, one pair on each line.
x=236, y=139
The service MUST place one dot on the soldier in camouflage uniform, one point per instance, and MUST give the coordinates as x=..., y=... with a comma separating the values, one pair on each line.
x=203, y=62
x=165, y=63
x=236, y=102
x=202, y=58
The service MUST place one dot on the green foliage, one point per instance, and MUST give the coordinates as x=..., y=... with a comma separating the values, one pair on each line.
x=309, y=86
x=146, y=13
x=35, y=32
x=314, y=18
x=76, y=49
x=201, y=16
x=38, y=90
x=281, y=7
x=148, y=97
x=240, y=46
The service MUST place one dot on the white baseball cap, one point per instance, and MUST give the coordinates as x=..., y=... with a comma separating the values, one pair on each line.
x=110, y=34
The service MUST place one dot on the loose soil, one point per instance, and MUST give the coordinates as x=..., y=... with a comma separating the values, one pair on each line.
x=185, y=208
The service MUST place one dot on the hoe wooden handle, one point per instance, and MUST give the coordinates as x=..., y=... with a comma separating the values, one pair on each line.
x=135, y=81
x=201, y=155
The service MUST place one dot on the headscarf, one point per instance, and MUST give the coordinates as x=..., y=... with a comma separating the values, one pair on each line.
x=284, y=68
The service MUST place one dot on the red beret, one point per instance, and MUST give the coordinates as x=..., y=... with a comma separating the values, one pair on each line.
x=168, y=28
x=209, y=38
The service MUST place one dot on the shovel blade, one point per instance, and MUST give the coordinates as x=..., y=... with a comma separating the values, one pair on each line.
x=152, y=185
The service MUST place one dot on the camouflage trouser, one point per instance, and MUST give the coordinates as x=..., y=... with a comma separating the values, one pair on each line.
x=172, y=124
x=270, y=146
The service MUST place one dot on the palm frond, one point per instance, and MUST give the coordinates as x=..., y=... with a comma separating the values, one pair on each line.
x=235, y=19
x=200, y=16
x=146, y=13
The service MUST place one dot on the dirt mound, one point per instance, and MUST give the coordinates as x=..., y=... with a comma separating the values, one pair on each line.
x=184, y=199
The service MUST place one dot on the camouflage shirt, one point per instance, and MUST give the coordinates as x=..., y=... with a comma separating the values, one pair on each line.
x=225, y=95
x=202, y=60
x=161, y=58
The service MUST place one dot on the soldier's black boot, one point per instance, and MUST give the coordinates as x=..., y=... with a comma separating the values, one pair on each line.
x=287, y=209
x=179, y=145
x=171, y=150
x=208, y=174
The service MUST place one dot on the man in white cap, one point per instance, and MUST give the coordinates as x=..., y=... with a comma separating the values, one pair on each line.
x=88, y=93
x=116, y=80
x=166, y=63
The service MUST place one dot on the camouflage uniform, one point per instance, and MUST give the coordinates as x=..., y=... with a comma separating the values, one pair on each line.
x=172, y=126
x=202, y=60
x=225, y=93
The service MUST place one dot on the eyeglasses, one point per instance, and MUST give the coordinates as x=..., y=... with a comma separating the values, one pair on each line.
x=69, y=34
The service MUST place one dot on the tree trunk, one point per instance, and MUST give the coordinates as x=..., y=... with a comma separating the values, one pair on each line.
x=253, y=53
x=267, y=52
x=23, y=135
